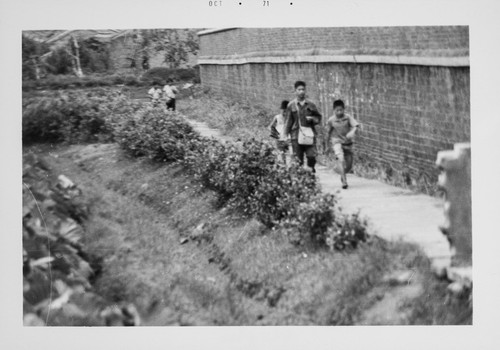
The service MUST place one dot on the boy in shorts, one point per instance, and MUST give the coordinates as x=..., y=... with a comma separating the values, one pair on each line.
x=277, y=131
x=341, y=131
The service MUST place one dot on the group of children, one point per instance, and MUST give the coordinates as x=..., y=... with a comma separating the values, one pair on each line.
x=169, y=92
x=297, y=123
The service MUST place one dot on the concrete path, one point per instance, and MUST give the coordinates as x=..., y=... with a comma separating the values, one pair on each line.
x=393, y=212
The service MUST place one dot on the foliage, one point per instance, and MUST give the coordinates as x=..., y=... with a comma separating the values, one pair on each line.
x=31, y=50
x=56, y=82
x=73, y=117
x=246, y=177
x=154, y=133
x=58, y=272
x=172, y=44
x=163, y=74
x=94, y=56
x=236, y=118
x=159, y=75
x=59, y=62
x=52, y=234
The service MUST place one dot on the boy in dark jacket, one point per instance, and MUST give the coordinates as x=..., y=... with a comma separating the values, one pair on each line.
x=302, y=117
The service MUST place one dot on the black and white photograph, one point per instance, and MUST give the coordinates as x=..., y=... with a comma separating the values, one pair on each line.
x=211, y=175
x=247, y=176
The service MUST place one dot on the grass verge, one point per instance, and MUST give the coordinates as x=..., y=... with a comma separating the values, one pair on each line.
x=233, y=271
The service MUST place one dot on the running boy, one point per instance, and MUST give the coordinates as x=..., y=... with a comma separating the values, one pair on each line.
x=301, y=117
x=170, y=93
x=341, y=131
x=277, y=128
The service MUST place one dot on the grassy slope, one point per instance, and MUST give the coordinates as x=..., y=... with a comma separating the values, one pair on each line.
x=242, y=274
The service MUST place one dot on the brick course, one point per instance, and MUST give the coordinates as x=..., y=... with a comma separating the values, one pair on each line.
x=410, y=39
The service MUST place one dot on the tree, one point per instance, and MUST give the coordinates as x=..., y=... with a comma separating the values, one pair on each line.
x=73, y=49
x=175, y=44
x=32, y=51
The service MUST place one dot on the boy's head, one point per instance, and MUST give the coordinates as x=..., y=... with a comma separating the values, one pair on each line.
x=300, y=89
x=284, y=105
x=338, y=108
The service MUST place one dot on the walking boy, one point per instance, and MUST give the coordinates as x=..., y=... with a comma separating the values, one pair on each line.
x=170, y=94
x=301, y=118
x=277, y=128
x=341, y=131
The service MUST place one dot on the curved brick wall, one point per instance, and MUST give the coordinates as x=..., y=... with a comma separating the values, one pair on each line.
x=408, y=112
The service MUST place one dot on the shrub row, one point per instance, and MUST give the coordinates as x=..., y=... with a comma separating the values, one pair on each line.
x=69, y=81
x=246, y=176
x=159, y=75
x=163, y=74
x=73, y=117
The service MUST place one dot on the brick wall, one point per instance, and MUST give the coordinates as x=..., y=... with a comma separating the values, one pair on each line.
x=408, y=112
x=410, y=39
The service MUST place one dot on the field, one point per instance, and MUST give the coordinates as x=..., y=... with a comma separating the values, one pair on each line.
x=165, y=242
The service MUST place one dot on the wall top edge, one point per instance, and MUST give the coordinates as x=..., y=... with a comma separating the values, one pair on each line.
x=462, y=61
x=215, y=30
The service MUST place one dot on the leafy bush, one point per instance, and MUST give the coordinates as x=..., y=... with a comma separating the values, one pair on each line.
x=59, y=62
x=73, y=117
x=155, y=133
x=69, y=81
x=55, y=263
x=246, y=176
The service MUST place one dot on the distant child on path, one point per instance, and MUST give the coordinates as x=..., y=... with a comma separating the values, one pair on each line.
x=341, y=131
x=155, y=94
x=301, y=117
x=170, y=94
x=277, y=128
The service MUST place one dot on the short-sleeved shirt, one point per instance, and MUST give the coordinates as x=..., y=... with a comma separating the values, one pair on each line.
x=170, y=91
x=155, y=93
x=279, y=124
x=341, y=126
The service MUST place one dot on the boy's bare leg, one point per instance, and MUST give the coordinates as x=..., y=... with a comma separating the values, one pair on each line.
x=343, y=176
x=339, y=153
x=348, y=162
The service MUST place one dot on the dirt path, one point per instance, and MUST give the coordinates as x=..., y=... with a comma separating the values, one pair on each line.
x=394, y=213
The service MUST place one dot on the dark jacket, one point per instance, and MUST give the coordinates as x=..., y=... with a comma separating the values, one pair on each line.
x=293, y=116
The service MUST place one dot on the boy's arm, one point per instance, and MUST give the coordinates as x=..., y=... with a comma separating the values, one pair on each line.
x=329, y=137
x=273, y=123
x=289, y=121
x=354, y=127
x=315, y=114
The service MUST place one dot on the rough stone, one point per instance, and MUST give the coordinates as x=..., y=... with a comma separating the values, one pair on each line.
x=455, y=181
